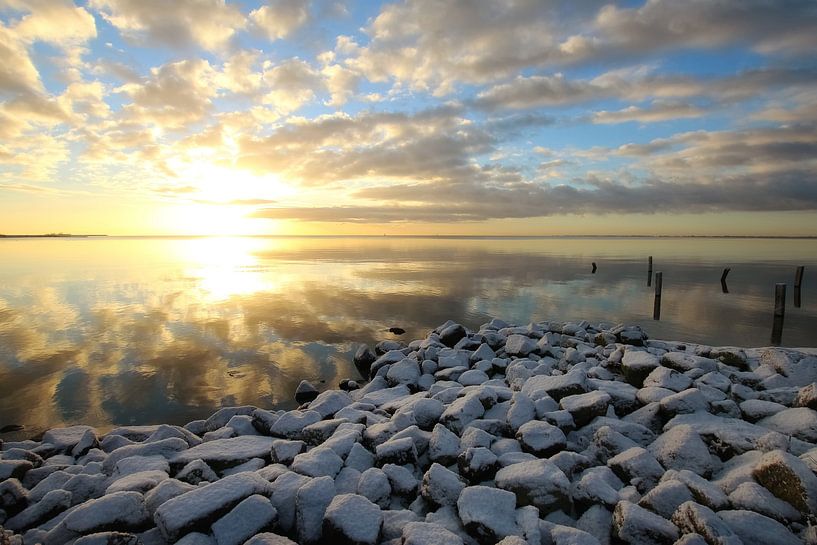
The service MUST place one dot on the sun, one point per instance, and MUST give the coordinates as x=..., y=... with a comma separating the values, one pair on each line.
x=220, y=201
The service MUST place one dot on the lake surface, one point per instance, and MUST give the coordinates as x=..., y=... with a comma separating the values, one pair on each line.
x=112, y=331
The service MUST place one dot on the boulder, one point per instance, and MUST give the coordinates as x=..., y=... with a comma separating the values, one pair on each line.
x=487, y=513
x=351, y=519
x=637, y=526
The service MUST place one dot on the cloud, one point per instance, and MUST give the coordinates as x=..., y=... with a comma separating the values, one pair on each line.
x=431, y=144
x=209, y=24
x=172, y=95
x=290, y=84
x=17, y=72
x=661, y=111
x=58, y=22
x=425, y=45
x=279, y=18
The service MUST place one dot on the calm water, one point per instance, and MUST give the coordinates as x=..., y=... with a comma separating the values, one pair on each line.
x=144, y=330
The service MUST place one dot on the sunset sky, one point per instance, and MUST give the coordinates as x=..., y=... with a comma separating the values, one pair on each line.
x=505, y=117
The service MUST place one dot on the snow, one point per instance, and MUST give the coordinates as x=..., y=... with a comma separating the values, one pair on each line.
x=311, y=502
x=487, y=512
x=682, y=448
x=244, y=520
x=692, y=517
x=352, y=518
x=318, y=462
x=186, y=512
x=540, y=438
x=637, y=526
x=537, y=482
x=225, y=452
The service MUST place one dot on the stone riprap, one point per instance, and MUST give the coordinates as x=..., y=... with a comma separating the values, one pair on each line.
x=548, y=433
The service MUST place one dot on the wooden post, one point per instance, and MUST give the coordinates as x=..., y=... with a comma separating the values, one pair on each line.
x=780, y=300
x=649, y=271
x=798, y=277
x=779, y=313
x=594, y=267
x=724, y=287
x=656, y=310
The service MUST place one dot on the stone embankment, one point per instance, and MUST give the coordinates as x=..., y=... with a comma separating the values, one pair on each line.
x=550, y=433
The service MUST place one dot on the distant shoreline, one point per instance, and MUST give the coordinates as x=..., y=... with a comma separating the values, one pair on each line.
x=450, y=237
x=51, y=235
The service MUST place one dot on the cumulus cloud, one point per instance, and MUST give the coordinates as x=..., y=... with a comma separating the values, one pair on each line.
x=279, y=18
x=181, y=23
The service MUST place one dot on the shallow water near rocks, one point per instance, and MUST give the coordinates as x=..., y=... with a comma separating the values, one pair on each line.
x=110, y=331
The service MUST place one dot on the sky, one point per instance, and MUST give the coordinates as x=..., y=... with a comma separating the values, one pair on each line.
x=500, y=117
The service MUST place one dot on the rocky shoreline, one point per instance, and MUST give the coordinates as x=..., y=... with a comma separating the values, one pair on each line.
x=548, y=433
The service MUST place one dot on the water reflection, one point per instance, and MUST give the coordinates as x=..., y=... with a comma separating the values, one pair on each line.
x=132, y=331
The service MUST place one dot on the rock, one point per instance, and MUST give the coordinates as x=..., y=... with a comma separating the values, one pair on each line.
x=567, y=535
x=405, y=372
x=665, y=498
x=473, y=377
x=396, y=451
x=702, y=490
x=220, y=418
x=123, y=510
x=557, y=387
x=730, y=355
x=538, y=482
x=224, y=453
x=541, y=438
x=487, y=513
x=597, y=485
x=585, y=407
x=138, y=482
x=755, y=529
x=330, y=402
x=109, y=538
x=14, y=469
x=636, y=366
x=686, y=402
x=788, y=478
x=682, y=448
x=65, y=439
x=167, y=448
x=49, y=506
x=318, y=462
x=311, y=502
x=753, y=497
x=691, y=517
x=363, y=360
x=807, y=396
x=269, y=539
x=13, y=496
x=244, y=521
x=167, y=489
x=451, y=334
x=638, y=466
x=443, y=446
x=283, y=451
x=284, y=496
x=441, y=486
x=198, y=508
x=374, y=486
x=423, y=533
x=305, y=392
x=637, y=526
x=799, y=422
x=477, y=464
x=519, y=345
x=757, y=409
x=194, y=538
x=291, y=423
x=461, y=412
x=522, y=410
x=353, y=520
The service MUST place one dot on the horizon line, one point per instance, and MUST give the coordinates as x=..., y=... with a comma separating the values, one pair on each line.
x=443, y=236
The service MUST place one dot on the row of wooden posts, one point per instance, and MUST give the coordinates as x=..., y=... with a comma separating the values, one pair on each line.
x=779, y=296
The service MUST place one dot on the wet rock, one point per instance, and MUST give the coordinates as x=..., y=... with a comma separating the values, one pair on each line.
x=305, y=392
x=363, y=360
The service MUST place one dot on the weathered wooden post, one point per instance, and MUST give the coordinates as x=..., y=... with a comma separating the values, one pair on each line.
x=798, y=281
x=724, y=287
x=656, y=310
x=649, y=271
x=779, y=313
x=594, y=267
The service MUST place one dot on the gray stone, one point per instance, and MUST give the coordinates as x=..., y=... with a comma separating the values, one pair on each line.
x=637, y=526
x=353, y=520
